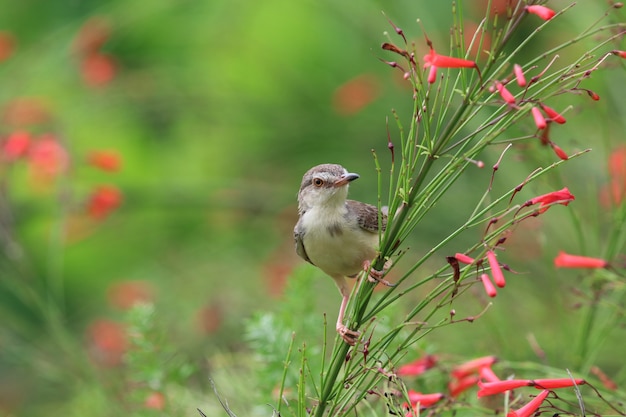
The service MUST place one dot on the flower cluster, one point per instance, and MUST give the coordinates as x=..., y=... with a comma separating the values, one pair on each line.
x=529, y=409
x=479, y=373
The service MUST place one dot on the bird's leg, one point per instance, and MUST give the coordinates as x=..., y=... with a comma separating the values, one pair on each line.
x=348, y=336
x=376, y=275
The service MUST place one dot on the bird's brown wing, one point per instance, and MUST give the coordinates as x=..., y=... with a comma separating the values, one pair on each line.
x=368, y=216
x=298, y=234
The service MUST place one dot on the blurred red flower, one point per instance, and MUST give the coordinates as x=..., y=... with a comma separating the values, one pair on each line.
x=355, y=94
x=98, y=69
x=25, y=111
x=15, y=146
x=107, y=342
x=458, y=386
x=473, y=366
x=155, y=401
x=7, y=45
x=616, y=189
x=104, y=200
x=126, y=294
x=47, y=158
x=209, y=318
x=565, y=260
x=419, y=401
x=106, y=160
x=92, y=35
x=418, y=366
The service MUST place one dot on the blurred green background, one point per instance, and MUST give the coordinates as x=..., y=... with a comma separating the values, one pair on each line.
x=216, y=109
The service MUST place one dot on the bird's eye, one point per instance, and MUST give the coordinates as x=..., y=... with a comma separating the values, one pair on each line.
x=318, y=182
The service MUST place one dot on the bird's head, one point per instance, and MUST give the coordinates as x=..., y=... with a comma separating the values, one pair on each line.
x=324, y=185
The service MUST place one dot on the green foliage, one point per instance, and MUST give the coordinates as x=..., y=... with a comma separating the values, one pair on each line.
x=216, y=109
x=292, y=326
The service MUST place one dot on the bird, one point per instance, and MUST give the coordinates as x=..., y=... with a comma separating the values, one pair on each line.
x=337, y=235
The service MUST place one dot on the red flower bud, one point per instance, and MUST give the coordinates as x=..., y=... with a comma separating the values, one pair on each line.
x=504, y=93
x=553, y=115
x=543, y=12
x=496, y=271
x=432, y=74
x=558, y=151
x=489, y=288
x=540, y=121
x=463, y=258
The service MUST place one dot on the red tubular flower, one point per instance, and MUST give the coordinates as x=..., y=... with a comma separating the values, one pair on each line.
x=488, y=375
x=553, y=383
x=424, y=400
x=540, y=121
x=559, y=152
x=458, y=386
x=565, y=260
x=489, y=288
x=463, y=258
x=543, y=12
x=530, y=408
x=562, y=196
x=519, y=75
x=472, y=366
x=504, y=93
x=432, y=74
x=418, y=366
x=496, y=271
x=15, y=146
x=498, y=387
x=442, y=61
x=553, y=114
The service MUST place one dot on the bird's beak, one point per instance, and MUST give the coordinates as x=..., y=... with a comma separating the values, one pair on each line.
x=346, y=178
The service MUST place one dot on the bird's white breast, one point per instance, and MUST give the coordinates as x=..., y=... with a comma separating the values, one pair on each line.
x=336, y=243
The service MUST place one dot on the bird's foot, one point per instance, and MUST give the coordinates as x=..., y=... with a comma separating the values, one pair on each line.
x=377, y=276
x=348, y=336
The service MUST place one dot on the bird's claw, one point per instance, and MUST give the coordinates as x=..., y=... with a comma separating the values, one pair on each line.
x=377, y=276
x=348, y=336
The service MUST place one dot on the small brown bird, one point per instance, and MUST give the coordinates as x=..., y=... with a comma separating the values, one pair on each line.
x=337, y=235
